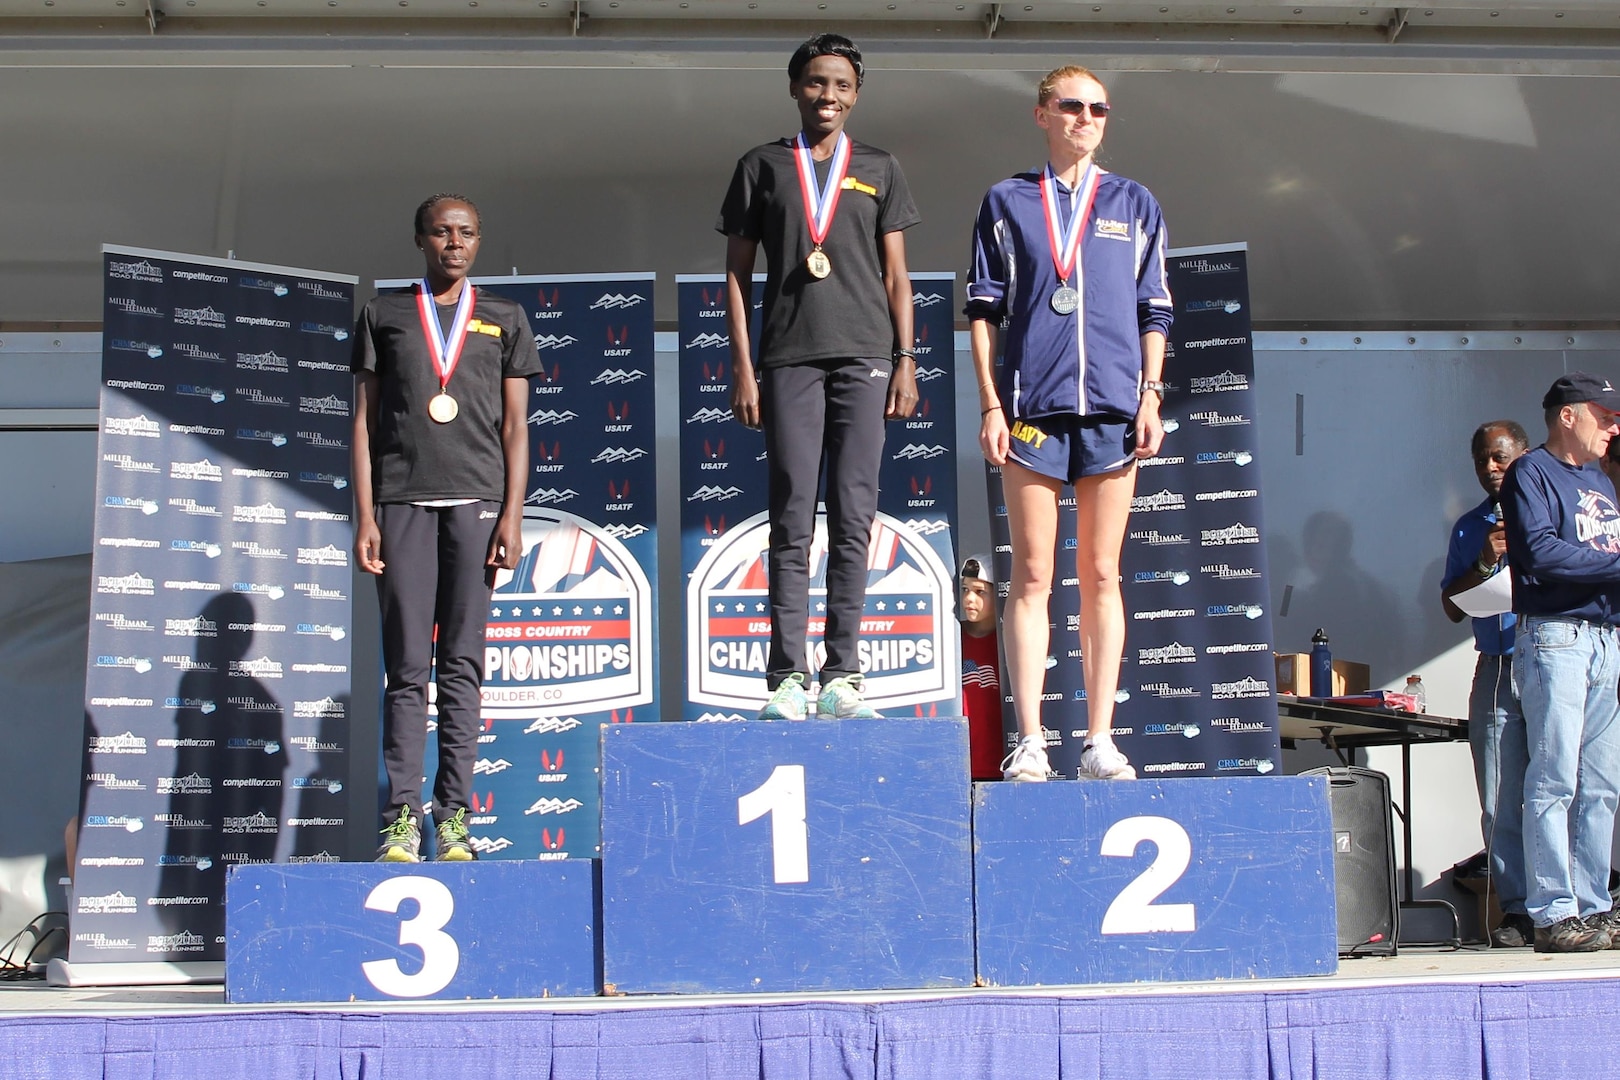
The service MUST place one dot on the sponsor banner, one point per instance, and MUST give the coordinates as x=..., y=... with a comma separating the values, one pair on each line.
x=219, y=612
x=572, y=642
x=910, y=639
x=1195, y=693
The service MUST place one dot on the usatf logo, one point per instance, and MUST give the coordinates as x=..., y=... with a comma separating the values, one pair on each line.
x=547, y=382
x=330, y=405
x=113, y=903
x=260, y=284
x=714, y=455
x=618, y=417
x=920, y=421
x=553, y=806
x=714, y=377
x=551, y=416
x=552, y=844
x=570, y=628
x=213, y=394
x=134, y=271
x=553, y=766
x=922, y=494
x=709, y=416
x=1235, y=533
x=1174, y=653
x=617, y=301
x=1215, y=384
x=619, y=496
x=1247, y=687
x=128, y=585
x=1246, y=611
x=1155, y=538
x=618, y=342
x=139, y=427
x=713, y=493
x=130, y=307
x=1152, y=577
x=550, y=457
x=202, y=316
x=618, y=377
x=908, y=641
x=550, y=306
x=266, y=361
x=709, y=341
x=554, y=341
x=1231, y=307
x=1163, y=500
x=1228, y=493
x=1214, y=419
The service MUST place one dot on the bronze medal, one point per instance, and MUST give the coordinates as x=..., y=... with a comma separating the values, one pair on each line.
x=818, y=264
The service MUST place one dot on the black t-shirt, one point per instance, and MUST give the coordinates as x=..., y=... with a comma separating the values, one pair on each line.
x=414, y=458
x=846, y=313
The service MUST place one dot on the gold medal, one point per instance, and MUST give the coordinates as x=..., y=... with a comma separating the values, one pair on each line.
x=443, y=408
x=818, y=264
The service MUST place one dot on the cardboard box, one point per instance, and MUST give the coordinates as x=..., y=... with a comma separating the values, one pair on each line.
x=1294, y=675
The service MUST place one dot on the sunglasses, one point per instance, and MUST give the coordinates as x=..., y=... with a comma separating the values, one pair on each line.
x=1075, y=107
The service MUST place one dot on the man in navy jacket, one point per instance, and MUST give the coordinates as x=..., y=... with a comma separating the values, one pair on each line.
x=1563, y=547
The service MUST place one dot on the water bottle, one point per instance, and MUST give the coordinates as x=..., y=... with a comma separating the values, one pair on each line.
x=1420, y=696
x=1321, y=665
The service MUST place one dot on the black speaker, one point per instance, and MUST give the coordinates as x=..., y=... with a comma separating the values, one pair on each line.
x=1363, y=860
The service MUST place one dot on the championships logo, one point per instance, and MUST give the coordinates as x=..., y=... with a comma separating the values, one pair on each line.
x=571, y=628
x=908, y=639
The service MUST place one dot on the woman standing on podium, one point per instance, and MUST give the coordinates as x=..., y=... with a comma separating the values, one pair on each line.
x=1068, y=277
x=440, y=457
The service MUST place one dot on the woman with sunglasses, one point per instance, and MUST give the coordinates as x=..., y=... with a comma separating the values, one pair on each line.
x=1068, y=278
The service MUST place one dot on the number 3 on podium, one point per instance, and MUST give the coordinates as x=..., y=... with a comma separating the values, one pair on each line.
x=441, y=956
x=782, y=797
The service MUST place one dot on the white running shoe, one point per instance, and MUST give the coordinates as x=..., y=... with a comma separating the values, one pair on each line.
x=844, y=698
x=1104, y=763
x=788, y=701
x=1028, y=761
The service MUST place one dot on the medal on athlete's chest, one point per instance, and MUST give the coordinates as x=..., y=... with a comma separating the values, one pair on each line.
x=1064, y=238
x=820, y=203
x=444, y=349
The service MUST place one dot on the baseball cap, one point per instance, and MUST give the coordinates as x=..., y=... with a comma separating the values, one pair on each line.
x=978, y=568
x=1580, y=386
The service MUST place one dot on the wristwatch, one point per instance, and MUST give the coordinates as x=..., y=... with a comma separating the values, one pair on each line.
x=1154, y=385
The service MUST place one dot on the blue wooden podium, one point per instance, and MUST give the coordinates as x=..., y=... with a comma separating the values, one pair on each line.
x=389, y=931
x=823, y=855
x=1189, y=879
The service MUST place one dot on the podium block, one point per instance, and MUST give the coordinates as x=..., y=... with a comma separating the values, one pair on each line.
x=1093, y=882
x=753, y=857
x=392, y=932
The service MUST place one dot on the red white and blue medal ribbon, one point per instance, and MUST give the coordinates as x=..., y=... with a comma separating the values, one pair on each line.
x=1065, y=241
x=820, y=203
x=445, y=349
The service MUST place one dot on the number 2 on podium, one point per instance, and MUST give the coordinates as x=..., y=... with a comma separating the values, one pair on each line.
x=782, y=797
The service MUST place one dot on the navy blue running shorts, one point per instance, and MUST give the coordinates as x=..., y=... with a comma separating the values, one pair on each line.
x=1068, y=447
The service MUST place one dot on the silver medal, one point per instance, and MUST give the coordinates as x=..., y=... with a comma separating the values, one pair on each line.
x=1065, y=300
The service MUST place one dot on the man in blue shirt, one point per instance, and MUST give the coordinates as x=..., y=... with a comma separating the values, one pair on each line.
x=1495, y=725
x=1563, y=549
